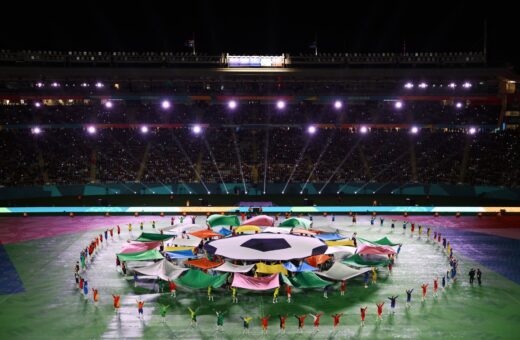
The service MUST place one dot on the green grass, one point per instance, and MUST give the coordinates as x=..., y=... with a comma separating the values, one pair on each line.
x=52, y=307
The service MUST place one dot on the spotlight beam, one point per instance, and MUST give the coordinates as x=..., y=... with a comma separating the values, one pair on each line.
x=265, y=159
x=329, y=140
x=349, y=153
x=239, y=158
x=130, y=155
x=215, y=163
x=300, y=157
x=179, y=145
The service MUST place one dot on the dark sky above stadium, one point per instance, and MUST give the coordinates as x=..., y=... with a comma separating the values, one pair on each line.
x=263, y=27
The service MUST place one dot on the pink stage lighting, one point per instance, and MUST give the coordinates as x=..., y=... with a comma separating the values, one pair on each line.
x=472, y=131
x=452, y=85
x=311, y=129
x=36, y=130
x=398, y=104
x=408, y=86
x=109, y=104
x=363, y=129
x=99, y=85
x=38, y=104
x=144, y=129
x=458, y=105
x=466, y=85
x=338, y=104
x=423, y=85
x=280, y=104
x=414, y=130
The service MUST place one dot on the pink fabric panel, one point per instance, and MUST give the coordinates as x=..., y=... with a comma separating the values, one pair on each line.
x=256, y=283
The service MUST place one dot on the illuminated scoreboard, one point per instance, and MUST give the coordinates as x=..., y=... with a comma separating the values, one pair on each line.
x=255, y=61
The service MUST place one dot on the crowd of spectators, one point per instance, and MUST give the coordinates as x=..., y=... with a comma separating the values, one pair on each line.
x=253, y=154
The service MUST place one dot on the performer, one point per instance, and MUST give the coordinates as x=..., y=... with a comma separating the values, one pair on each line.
x=246, y=322
x=343, y=287
x=117, y=302
x=435, y=287
x=288, y=289
x=275, y=294
x=95, y=296
x=408, y=297
x=316, y=318
x=140, y=305
x=265, y=321
x=210, y=295
x=301, y=322
x=393, y=300
x=424, y=289
x=234, y=294
x=380, y=310
x=173, y=289
x=193, y=316
x=220, y=321
x=363, y=314
x=282, y=323
x=336, y=318
x=164, y=308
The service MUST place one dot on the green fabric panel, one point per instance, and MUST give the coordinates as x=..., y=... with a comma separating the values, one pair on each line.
x=358, y=261
x=147, y=255
x=385, y=241
x=197, y=279
x=296, y=222
x=223, y=220
x=308, y=280
x=152, y=237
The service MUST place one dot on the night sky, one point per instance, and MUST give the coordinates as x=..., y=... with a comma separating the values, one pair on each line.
x=263, y=27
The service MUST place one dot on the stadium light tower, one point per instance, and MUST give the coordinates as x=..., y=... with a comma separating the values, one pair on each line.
x=36, y=130
x=196, y=129
x=311, y=129
x=109, y=104
x=91, y=129
x=99, y=85
x=37, y=104
x=414, y=130
x=466, y=85
x=280, y=105
x=338, y=104
x=408, y=86
x=165, y=104
x=472, y=130
x=144, y=129
x=458, y=105
x=452, y=85
x=363, y=129
x=398, y=104
x=232, y=104
x=423, y=85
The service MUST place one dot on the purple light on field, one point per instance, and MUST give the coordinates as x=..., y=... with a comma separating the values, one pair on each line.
x=338, y=104
x=36, y=130
x=166, y=104
x=280, y=104
x=91, y=129
x=398, y=104
x=144, y=129
x=363, y=129
x=232, y=104
x=311, y=129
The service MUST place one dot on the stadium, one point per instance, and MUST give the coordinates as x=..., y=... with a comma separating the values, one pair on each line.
x=190, y=195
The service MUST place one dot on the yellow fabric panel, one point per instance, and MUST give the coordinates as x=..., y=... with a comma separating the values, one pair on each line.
x=340, y=243
x=270, y=269
x=246, y=228
x=178, y=248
